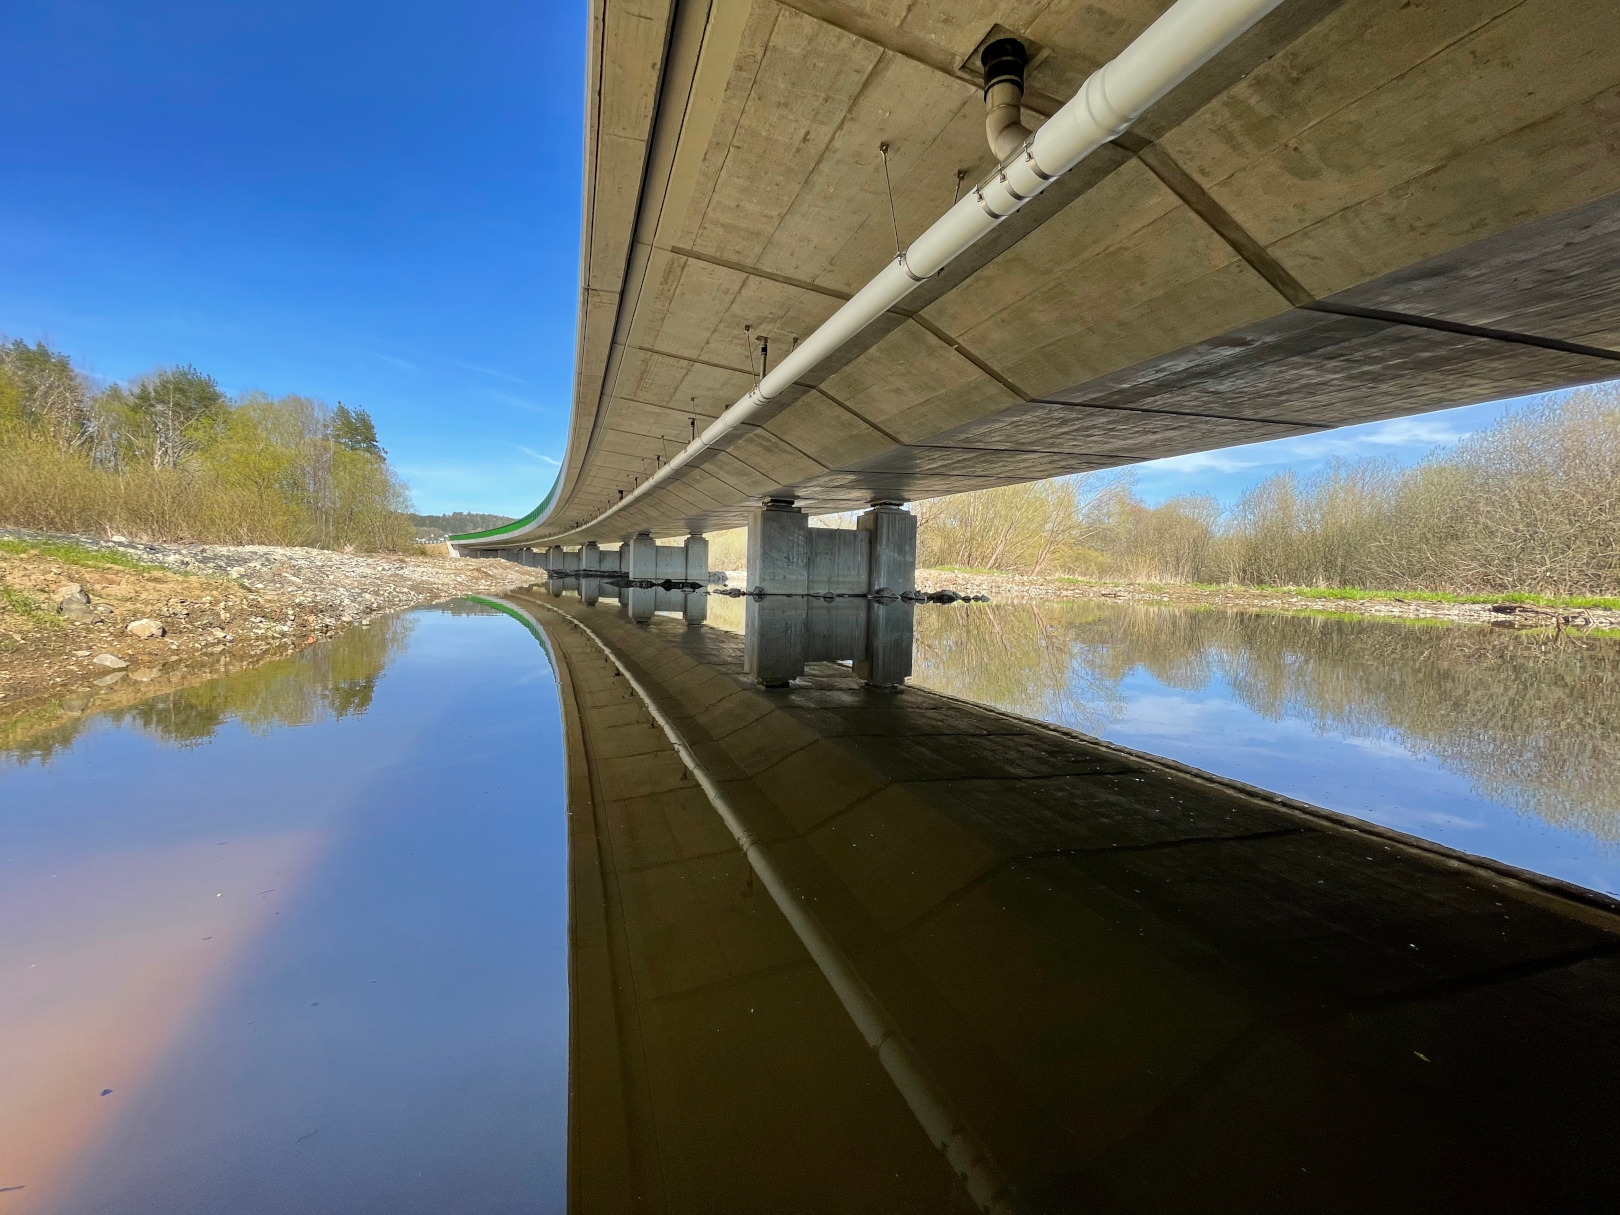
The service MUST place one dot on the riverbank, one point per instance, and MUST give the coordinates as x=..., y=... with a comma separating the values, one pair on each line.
x=1022, y=588
x=89, y=623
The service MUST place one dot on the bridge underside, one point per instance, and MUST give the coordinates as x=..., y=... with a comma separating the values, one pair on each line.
x=1361, y=209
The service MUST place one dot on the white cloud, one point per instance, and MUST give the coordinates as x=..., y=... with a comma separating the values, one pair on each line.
x=529, y=451
x=1411, y=434
x=401, y=364
x=490, y=371
x=507, y=398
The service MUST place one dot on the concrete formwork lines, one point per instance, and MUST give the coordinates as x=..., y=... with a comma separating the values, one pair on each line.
x=821, y=389
x=757, y=272
x=961, y=349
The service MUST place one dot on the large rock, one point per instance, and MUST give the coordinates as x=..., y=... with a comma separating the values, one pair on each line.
x=144, y=628
x=111, y=661
x=74, y=604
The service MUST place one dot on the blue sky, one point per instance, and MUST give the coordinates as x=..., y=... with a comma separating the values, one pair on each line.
x=1228, y=472
x=372, y=203
x=367, y=203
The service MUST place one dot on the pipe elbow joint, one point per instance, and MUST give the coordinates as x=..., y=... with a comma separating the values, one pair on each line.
x=1003, y=61
x=1004, y=128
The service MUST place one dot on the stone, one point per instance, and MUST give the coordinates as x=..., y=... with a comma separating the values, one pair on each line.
x=73, y=604
x=107, y=681
x=111, y=661
x=144, y=628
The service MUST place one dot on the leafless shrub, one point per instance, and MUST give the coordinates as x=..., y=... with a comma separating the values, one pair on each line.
x=1529, y=504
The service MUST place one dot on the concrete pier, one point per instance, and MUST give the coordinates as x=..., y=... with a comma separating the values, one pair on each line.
x=786, y=556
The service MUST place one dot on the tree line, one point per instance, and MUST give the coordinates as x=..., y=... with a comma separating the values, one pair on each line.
x=172, y=457
x=1529, y=504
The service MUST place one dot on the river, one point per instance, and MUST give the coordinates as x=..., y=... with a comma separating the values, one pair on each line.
x=298, y=938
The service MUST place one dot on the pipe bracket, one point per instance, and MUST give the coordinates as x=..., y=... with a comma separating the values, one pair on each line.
x=986, y=208
x=900, y=259
x=1030, y=163
x=1007, y=186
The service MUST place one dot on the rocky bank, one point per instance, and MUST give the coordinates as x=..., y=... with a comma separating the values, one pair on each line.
x=87, y=621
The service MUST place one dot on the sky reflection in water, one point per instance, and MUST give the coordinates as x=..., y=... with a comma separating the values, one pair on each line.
x=308, y=924
x=1498, y=743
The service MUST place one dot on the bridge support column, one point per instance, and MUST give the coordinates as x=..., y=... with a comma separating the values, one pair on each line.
x=590, y=557
x=892, y=563
x=642, y=552
x=554, y=558
x=697, y=559
x=779, y=549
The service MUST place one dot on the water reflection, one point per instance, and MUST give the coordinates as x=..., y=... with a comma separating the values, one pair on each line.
x=293, y=939
x=1531, y=723
x=323, y=683
x=845, y=948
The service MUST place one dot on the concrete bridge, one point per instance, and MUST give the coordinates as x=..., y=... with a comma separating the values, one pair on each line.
x=837, y=949
x=814, y=277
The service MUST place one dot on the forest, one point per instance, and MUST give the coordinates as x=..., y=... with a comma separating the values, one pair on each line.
x=172, y=457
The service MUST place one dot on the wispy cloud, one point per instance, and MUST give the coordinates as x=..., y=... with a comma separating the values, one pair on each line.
x=529, y=451
x=401, y=364
x=1408, y=434
x=490, y=371
x=517, y=402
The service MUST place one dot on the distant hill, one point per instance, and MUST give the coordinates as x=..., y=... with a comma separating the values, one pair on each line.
x=437, y=527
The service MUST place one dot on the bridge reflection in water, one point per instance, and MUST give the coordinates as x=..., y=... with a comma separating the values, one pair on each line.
x=837, y=948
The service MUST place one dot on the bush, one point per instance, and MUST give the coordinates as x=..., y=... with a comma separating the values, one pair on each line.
x=1528, y=505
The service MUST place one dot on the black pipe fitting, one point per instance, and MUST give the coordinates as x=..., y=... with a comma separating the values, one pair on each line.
x=1004, y=59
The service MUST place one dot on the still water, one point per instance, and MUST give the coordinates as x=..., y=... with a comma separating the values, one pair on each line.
x=298, y=939
x=293, y=940
x=1500, y=743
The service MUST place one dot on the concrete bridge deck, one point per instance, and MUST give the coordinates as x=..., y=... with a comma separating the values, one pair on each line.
x=1132, y=988
x=1360, y=209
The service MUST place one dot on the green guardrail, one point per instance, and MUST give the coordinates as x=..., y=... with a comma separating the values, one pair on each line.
x=516, y=524
x=507, y=609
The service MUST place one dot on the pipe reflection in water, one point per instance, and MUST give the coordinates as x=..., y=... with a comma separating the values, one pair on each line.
x=1123, y=987
x=1454, y=732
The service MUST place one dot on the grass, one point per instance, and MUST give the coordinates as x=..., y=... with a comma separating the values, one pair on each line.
x=1356, y=592
x=77, y=554
x=1608, y=603
x=24, y=606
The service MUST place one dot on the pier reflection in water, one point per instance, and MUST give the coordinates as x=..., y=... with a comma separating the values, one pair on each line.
x=841, y=948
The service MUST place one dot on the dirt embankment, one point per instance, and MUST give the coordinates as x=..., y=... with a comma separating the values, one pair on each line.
x=86, y=623
x=1021, y=588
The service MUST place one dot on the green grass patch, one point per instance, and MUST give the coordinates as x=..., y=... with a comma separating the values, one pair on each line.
x=77, y=554
x=24, y=606
x=1356, y=592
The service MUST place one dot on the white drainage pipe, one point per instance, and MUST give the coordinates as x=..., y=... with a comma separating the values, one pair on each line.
x=1183, y=39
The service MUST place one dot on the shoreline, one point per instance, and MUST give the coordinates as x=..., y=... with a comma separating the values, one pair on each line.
x=219, y=608
x=1023, y=588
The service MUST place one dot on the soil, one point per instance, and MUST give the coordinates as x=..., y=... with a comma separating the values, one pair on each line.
x=220, y=608
x=1019, y=588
